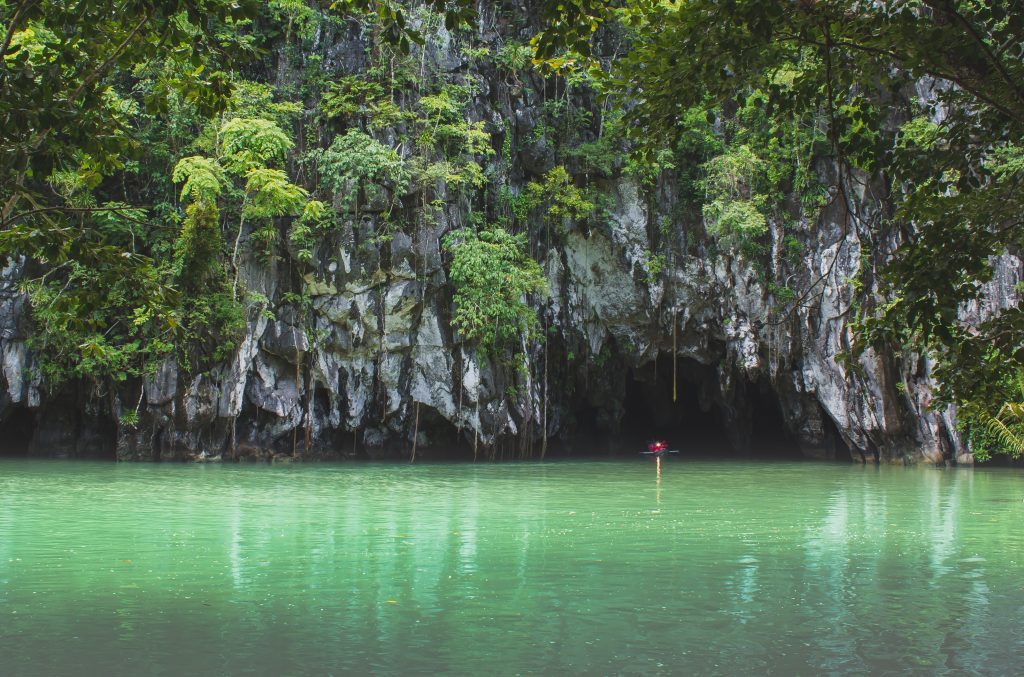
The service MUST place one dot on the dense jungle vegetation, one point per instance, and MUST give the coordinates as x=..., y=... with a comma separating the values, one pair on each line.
x=140, y=140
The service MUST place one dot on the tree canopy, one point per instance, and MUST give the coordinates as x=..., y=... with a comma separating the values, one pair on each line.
x=928, y=98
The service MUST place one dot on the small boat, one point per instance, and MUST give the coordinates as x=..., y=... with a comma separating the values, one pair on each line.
x=658, y=449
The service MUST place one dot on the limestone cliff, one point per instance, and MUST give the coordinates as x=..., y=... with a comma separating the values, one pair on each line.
x=372, y=356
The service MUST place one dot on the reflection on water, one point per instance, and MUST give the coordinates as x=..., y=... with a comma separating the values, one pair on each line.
x=564, y=567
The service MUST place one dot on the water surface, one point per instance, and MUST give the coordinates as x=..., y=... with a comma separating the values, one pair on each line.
x=568, y=567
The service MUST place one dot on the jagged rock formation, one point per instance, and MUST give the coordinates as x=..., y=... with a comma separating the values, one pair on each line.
x=373, y=357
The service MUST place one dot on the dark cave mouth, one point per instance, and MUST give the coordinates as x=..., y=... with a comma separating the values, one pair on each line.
x=59, y=430
x=685, y=415
x=16, y=432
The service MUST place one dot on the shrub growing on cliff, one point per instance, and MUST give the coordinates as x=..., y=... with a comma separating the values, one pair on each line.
x=113, y=327
x=351, y=97
x=250, y=148
x=493, y=274
x=269, y=194
x=734, y=214
x=361, y=169
x=560, y=201
x=449, y=145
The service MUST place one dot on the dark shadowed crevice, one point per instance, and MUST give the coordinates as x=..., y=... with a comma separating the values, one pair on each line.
x=769, y=436
x=16, y=431
x=439, y=439
x=97, y=439
x=834, y=443
x=321, y=401
x=589, y=433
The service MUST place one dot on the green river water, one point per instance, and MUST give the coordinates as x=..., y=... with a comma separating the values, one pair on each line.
x=556, y=568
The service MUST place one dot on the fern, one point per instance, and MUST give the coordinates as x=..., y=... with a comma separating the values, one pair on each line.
x=271, y=194
x=203, y=177
x=252, y=143
x=1010, y=436
x=1006, y=427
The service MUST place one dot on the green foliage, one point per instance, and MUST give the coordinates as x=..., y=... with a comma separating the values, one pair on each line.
x=251, y=99
x=736, y=223
x=1001, y=432
x=300, y=19
x=492, y=274
x=129, y=418
x=101, y=321
x=252, y=144
x=198, y=246
x=56, y=63
x=733, y=174
x=204, y=179
x=97, y=107
x=1006, y=430
x=316, y=218
x=351, y=96
x=792, y=249
x=449, y=145
x=269, y=194
x=560, y=200
x=598, y=158
x=783, y=295
x=357, y=164
x=733, y=215
x=272, y=194
x=517, y=204
x=397, y=28
x=513, y=56
x=648, y=169
x=653, y=265
x=445, y=128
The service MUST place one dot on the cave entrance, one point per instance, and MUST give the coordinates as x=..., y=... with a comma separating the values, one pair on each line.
x=16, y=431
x=693, y=423
x=650, y=413
x=439, y=439
x=769, y=436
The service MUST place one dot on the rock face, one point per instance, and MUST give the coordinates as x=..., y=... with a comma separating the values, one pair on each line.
x=372, y=357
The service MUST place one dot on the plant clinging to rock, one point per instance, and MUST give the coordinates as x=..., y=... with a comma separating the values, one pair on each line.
x=493, y=274
x=356, y=163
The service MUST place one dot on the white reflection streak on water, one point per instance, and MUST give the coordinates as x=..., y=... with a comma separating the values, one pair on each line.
x=384, y=554
x=535, y=503
x=523, y=552
x=7, y=515
x=355, y=539
x=429, y=524
x=828, y=563
x=7, y=526
x=235, y=543
x=748, y=579
x=941, y=531
x=468, y=525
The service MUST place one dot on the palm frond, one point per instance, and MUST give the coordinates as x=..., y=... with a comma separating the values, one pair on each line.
x=1010, y=436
